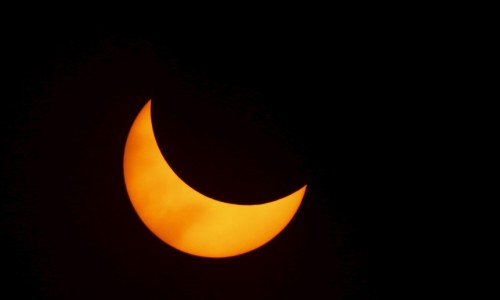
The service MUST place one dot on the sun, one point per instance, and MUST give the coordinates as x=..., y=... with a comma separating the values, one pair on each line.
x=186, y=219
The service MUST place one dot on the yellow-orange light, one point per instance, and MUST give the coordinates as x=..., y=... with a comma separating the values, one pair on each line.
x=184, y=218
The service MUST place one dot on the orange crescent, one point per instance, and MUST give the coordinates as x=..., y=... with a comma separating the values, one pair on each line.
x=186, y=219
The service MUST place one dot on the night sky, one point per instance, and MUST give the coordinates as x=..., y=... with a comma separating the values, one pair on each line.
x=243, y=116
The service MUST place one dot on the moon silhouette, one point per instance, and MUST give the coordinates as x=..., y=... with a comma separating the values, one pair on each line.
x=186, y=219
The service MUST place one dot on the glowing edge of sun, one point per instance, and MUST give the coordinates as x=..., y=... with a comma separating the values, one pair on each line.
x=186, y=219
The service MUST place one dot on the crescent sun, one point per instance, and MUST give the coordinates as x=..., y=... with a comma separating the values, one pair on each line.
x=186, y=219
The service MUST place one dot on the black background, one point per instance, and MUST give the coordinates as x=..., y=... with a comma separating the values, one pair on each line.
x=243, y=114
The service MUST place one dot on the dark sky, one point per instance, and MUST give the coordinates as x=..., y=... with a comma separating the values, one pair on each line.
x=244, y=116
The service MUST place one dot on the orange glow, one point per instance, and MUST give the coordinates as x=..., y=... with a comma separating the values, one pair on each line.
x=184, y=218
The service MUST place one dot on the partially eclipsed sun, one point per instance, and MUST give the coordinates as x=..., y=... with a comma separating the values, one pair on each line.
x=184, y=218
